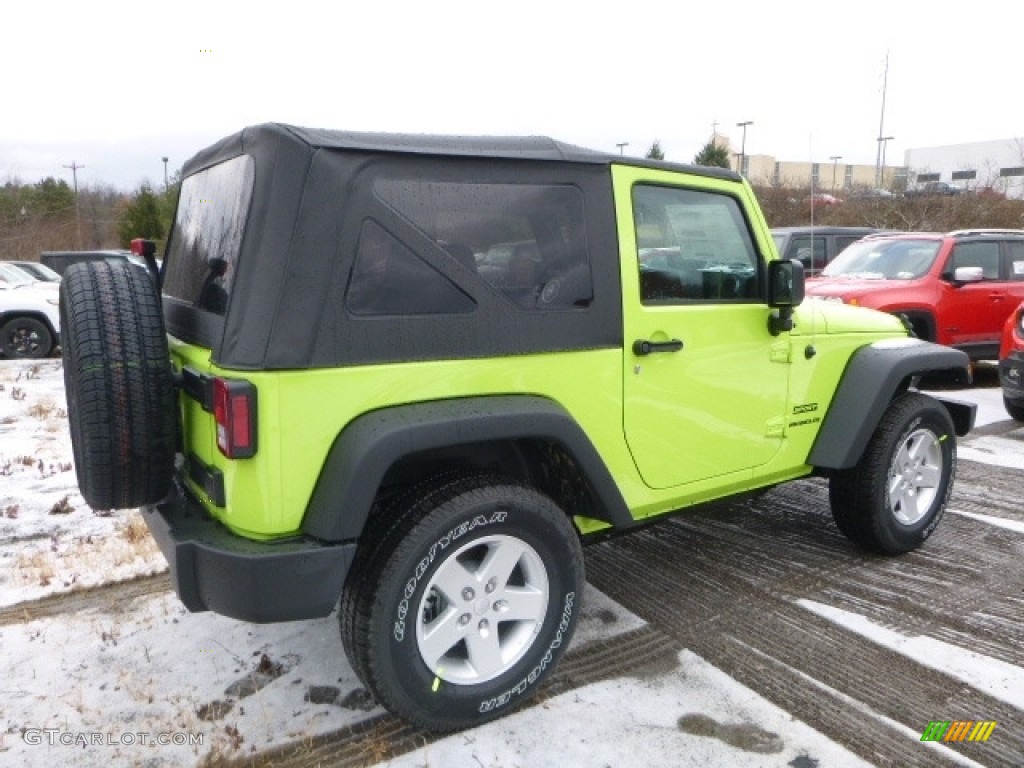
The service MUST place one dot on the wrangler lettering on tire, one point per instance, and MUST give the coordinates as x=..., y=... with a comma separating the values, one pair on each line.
x=466, y=604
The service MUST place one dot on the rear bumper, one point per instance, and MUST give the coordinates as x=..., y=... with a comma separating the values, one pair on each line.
x=212, y=569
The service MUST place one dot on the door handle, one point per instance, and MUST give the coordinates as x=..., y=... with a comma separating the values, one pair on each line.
x=645, y=347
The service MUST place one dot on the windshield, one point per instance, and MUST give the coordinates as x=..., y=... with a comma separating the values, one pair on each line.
x=12, y=276
x=884, y=260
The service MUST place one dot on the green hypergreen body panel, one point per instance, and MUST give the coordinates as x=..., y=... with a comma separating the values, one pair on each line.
x=302, y=412
x=736, y=409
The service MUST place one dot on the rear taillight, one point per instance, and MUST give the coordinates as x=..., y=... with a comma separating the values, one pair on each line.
x=234, y=410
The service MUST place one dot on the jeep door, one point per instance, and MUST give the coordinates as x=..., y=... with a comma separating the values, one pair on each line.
x=974, y=313
x=705, y=383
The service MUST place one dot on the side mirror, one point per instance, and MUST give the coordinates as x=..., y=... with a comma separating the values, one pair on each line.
x=785, y=283
x=968, y=275
x=785, y=291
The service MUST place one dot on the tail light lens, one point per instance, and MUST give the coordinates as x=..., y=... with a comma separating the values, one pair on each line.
x=234, y=410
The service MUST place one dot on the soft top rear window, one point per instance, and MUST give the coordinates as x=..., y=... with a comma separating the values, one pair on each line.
x=207, y=234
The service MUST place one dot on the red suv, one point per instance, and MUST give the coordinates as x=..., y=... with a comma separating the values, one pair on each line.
x=1011, y=364
x=956, y=288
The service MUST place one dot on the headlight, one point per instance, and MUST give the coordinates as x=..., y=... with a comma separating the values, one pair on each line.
x=828, y=298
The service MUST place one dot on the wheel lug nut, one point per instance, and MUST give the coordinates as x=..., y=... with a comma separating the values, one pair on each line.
x=490, y=586
x=468, y=594
x=485, y=627
x=500, y=606
x=464, y=619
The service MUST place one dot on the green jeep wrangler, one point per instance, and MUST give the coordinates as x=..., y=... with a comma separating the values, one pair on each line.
x=415, y=373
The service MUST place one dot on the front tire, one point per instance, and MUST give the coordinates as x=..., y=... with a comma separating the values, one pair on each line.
x=461, y=602
x=26, y=338
x=1015, y=408
x=892, y=501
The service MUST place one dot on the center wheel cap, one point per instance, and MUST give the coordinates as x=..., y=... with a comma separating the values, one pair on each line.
x=481, y=606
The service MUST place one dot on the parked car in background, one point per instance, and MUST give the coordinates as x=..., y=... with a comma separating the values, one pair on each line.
x=816, y=246
x=862, y=193
x=58, y=261
x=955, y=289
x=29, y=319
x=1011, y=364
x=934, y=189
x=37, y=271
x=822, y=200
x=15, y=277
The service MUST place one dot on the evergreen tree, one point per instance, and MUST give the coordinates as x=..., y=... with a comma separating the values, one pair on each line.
x=51, y=196
x=712, y=154
x=141, y=218
x=655, y=153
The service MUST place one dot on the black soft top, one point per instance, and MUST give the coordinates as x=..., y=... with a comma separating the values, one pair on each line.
x=251, y=139
x=311, y=194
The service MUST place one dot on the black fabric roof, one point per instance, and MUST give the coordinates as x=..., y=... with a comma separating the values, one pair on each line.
x=498, y=147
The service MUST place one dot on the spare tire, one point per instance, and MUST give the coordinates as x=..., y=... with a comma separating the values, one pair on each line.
x=119, y=384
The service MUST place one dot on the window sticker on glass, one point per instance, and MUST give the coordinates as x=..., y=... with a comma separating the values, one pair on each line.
x=1018, y=267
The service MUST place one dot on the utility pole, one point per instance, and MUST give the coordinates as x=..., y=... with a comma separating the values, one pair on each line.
x=165, y=173
x=881, y=125
x=835, y=160
x=75, y=167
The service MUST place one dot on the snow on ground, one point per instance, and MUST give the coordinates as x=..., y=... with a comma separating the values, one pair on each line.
x=131, y=674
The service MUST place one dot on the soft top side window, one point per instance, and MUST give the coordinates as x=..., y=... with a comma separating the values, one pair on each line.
x=526, y=240
x=389, y=279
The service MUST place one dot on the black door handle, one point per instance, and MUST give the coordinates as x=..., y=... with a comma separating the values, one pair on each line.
x=645, y=347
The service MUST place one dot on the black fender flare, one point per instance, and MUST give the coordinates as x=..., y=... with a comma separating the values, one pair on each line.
x=875, y=374
x=373, y=442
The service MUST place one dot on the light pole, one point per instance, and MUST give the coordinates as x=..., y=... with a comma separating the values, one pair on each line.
x=743, y=143
x=835, y=160
x=622, y=146
x=883, y=140
x=165, y=172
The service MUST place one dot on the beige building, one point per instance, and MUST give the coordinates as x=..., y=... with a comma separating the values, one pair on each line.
x=826, y=177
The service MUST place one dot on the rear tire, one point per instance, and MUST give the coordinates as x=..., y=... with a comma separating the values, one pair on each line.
x=461, y=603
x=26, y=338
x=892, y=501
x=119, y=384
x=1015, y=409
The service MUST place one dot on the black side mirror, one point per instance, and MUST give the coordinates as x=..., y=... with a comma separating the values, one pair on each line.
x=785, y=291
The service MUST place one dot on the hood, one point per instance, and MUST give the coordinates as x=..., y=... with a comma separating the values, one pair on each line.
x=849, y=287
x=817, y=316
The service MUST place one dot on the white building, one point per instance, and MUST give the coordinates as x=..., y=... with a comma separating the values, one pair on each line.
x=997, y=165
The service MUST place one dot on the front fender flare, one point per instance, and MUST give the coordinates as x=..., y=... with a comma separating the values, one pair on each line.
x=874, y=375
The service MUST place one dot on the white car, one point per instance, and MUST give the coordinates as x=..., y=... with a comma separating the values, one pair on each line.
x=12, y=275
x=36, y=271
x=29, y=320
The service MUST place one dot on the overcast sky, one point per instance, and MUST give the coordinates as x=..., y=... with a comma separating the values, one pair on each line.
x=115, y=86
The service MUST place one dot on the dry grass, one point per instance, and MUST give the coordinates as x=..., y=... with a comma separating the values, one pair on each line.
x=72, y=562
